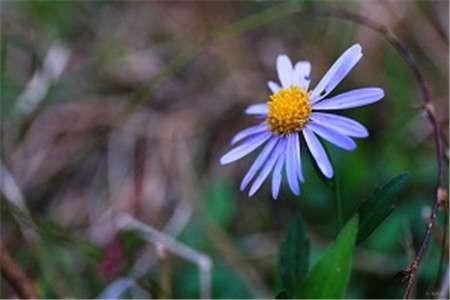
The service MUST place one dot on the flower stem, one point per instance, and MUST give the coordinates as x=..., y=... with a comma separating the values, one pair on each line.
x=338, y=201
x=333, y=183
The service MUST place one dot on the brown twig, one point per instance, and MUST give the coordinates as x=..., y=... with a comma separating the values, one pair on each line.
x=410, y=273
x=15, y=276
x=164, y=278
x=444, y=247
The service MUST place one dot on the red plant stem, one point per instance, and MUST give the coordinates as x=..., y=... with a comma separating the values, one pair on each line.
x=410, y=273
x=15, y=276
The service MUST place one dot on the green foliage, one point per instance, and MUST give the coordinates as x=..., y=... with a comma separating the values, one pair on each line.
x=219, y=204
x=330, y=276
x=379, y=205
x=56, y=259
x=148, y=62
x=195, y=235
x=282, y=295
x=294, y=255
x=226, y=284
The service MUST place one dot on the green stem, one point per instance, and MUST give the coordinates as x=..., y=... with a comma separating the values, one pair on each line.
x=333, y=183
x=338, y=201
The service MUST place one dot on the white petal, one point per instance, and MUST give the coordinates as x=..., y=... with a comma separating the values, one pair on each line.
x=302, y=72
x=273, y=86
x=292, y=166
x=332, y=136
x=297, y=157
x=276, y=177
x=342, y=124
x=245, y=148
x=343, y=65
x=248, y=132
x=257, y=109
x=285, y=70
x=353, y=98
x=317, y=151
x=266, y=169
x=260, y=160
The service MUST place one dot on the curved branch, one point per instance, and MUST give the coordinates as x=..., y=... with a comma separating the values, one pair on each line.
x=410, y=273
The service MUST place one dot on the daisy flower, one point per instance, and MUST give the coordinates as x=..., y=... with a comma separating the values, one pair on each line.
x=293, y=111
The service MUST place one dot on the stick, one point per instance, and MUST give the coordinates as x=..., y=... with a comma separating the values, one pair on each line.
x=410, y=273
x=204, y=263
x=15, y=276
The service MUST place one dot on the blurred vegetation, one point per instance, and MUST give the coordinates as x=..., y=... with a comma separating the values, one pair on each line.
x=147, y=99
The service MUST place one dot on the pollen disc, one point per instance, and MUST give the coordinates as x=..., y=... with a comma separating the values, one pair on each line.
x=288, y=110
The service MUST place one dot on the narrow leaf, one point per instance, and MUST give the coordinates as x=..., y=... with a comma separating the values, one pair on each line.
x=329, y=277
x=282, y=295
x=294, y=255
x=379, y=206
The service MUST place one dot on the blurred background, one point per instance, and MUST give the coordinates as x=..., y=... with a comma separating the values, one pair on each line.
x=114, y=116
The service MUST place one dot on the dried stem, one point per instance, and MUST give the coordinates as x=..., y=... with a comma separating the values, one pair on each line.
x=410, y=273
x=428, y=107
x=204, y=263
x=444, y=247
x=164, y=278
x=15, y=276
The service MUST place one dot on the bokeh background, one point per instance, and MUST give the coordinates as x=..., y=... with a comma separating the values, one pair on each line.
x=118, y=112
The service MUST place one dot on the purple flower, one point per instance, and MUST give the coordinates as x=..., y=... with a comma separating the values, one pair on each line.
x=292, y=111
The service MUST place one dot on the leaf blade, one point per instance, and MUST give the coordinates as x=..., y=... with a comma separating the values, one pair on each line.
x=293, y=259
x=329, y=277
x=379, y=206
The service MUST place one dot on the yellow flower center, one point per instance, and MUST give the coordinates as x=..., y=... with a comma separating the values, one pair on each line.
x=288, y=110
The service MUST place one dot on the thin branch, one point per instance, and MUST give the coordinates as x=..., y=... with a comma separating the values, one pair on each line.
x=444, y=247
x=10, y=189
x=15, y=276
x=410, y=273
x=204, y=263
x=119, y=286
x=164, y=276
x=225, y=247
x=37, y=88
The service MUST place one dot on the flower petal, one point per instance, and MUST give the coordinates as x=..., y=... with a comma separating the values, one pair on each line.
x=273, y=86
x=342, y=124
x=317, y=151
x=301, y=77
x=257, y=109
x=248, y=132
x=285, y=70
x=292, y=165
x=296, y=153
x=343, y=65
x=276, y=177
x=266, y=169
x=332, y=136
x=245, y=148
x=353, y=98
x=260, y=160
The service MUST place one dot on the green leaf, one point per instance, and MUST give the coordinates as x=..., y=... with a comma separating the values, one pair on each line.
x=294, y=255
x=226, y=283
x=379, y=206
x=329, y=277
x=282, y=295
x=220, y=207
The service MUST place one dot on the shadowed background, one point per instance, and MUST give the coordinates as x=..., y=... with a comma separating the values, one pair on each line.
x=124, y=109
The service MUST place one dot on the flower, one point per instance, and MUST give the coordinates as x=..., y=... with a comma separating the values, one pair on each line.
x=292, y=111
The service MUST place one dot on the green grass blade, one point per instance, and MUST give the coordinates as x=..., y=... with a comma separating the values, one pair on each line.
x=294, y=255
x=329, y=277
x=379, y=205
